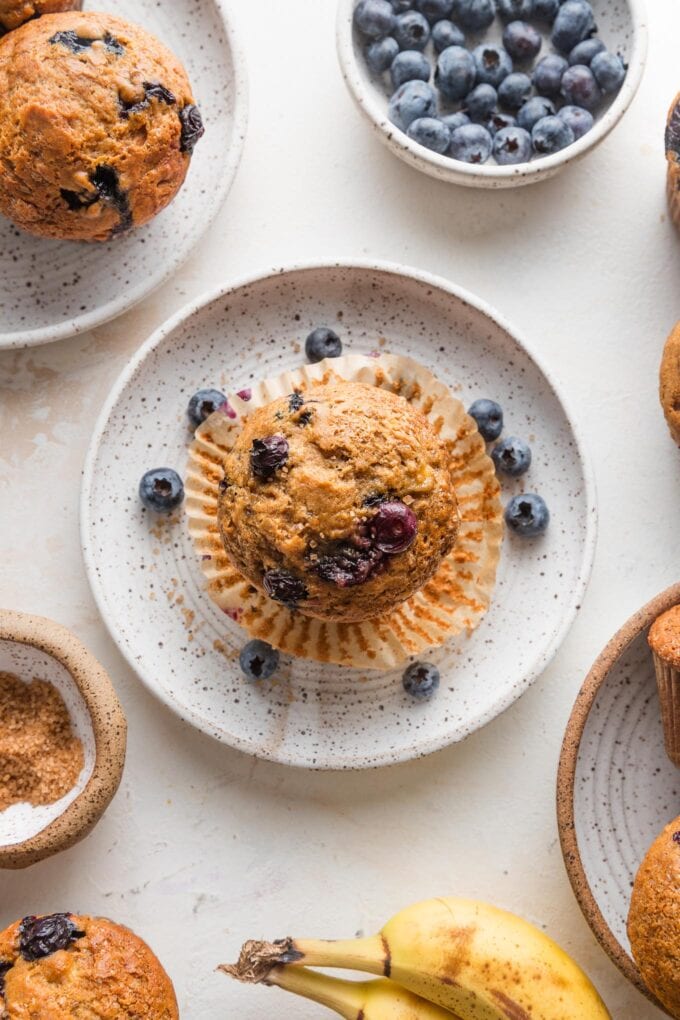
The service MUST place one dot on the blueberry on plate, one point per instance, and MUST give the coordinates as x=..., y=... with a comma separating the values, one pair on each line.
x=548, y=74
x=584, y=52
x=512, y=145
x=609, y=71
x=474, y=15
x=498, y=122
x=515, y=10
x=580, y=88
x=401, y=5
x=512, y=456
x=481, y=102
x=522, y=40
x=471, y=143
x=515, y=90
x=203, y=404
x=409, y=65
x=579, y=120
x=434, y=10
x=322, y=343
x=527, y=515
x=455, y=73
x=412, y=100
x=575, y=22
x=546, y=10
x=489, y=417
x=455, y=120
x=492, y=64
x=412, y=31
x=445, y=34
x=161, y=490
x=550, y=135
x=421, y=680
x=430, y=132
x=533, y=111
x=259, y=661
x=374, y=18
x=381, y=53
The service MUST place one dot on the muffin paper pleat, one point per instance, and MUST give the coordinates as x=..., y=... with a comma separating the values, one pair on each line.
x=668, y=682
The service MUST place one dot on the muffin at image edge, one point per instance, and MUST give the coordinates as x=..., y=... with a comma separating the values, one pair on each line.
x=14, y=13
x=669, y=383
x=664, y=640
x=61, y=966
x=673, y=160
x=97, y=126
x=338, y=502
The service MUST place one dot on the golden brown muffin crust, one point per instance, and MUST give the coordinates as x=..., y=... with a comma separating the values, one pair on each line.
x=654, y=918
x=664, y=636
x=669, y=383
x=351, y=449
x=14, y=13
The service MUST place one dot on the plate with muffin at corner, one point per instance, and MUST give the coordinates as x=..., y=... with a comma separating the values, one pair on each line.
x=334, y=495
x=112, y=124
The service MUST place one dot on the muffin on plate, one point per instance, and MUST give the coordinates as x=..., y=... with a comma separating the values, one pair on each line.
x=340, y=504
x=14, y=13
x=664, y=640
x=97, y=126
x=673, y=160
x=669, y=383
x=62, y=966
x=654, y=918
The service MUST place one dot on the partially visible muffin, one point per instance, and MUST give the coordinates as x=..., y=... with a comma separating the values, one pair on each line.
x=664, y=640
x=672, y=140
x=669, y=383
x=14, y=13
x=62, y=966
x=97, y=126
x=654, y=918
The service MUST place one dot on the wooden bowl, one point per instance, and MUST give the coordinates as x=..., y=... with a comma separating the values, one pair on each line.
x=616, y=788
x=31, y=646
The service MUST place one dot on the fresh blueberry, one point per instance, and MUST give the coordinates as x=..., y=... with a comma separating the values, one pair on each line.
x=434, y=10
x=284, y=587
x=455, y=120
x=412, y=31
x=412, y=100
x=445, y=34
x=481, y=102
x=322, y=343
x=202, y=405
x=474, y=15
x=492, y=64
x=527, y=515
x=421, y=680
x=512, y=145
x=609, y=71
x=430, y=132
x=455, y=74
x=259, y=661
x=471, y=143
x=512, y=456
x=161, y=490
x=267, y=456
x=550, y=135
x=374, y=18
x=579, y=120
x=548, y=74
x=394, y=528
x=401, y=5
x=575, y=21
x=533, y=111
x=381, y=53
x=522, y=41
x=489, y=417
x=410, y=65
x=498, y=121
x=579, y=87
x=584, y=52
x=546, y=10
x=515, y=90
x=515, y=10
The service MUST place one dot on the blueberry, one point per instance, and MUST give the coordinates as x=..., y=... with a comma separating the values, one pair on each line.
x=481, y=102
x=455, y=120
x=161, y=490
x=489, y=417
x=322, y=343
x=579, y=87
x=412, y=100
x=515, y=10
x=430, y=132
x=410, y=65
x=550, y=135
x=471, y=143
x=412, y=31
x=512, y=456
x=348, y=567
x=455, y=74
x=512, y=145
x=374, y=18
x=527, y=515
x=609, y=71
x=498, y=122
x=421, y=680
x=259, y=661
x=203, y=404
x=515, y=90
x=522, y=41
x=394, y=528
x=41, y=936
x=474, y=15
x=584, y=52
x=492, y=64
x=546, y=10
x=575, y=21
x=579, y=120
x=401, y=5
x=283, y=587
x=533, y=111
x=548, y=74
x=445, y=34
x=434, y=10
x=267, y=456
x=381, y=53
x=5, y=968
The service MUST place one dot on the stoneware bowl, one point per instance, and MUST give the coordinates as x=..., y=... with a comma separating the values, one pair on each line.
x=623, y=27
x=33, y=647
x=616, y=788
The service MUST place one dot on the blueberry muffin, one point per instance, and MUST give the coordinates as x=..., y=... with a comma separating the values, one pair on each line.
x=97, y=126
x=673, y=160
x=63, y=966
x=669, y=383
x=654, y=919
x=339, y=502
x=664, y=641
x=15, y=12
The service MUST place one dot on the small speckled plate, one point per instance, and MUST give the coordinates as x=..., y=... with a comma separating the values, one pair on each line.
x=150, y=587
x=53, y=289
x=616, y=788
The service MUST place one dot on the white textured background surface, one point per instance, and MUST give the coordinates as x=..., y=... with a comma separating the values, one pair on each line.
x=203, y=847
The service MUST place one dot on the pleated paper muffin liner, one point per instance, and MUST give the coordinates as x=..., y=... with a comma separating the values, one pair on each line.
x=452, y=602
x=668, y=682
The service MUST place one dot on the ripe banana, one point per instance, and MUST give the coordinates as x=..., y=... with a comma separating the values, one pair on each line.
x=476, y=961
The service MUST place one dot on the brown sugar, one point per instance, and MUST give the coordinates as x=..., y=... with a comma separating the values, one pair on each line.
x=40, y=757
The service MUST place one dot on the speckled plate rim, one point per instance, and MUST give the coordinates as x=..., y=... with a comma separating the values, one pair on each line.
x=151, y=282
x=566, y=782
x=488, y=176
x=542, y=658
x=109, y=727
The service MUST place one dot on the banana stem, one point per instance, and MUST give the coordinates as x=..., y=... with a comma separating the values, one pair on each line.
x=344, y=997
x=258, y=959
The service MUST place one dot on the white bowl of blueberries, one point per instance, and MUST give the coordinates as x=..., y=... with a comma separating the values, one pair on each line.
x=492, y=93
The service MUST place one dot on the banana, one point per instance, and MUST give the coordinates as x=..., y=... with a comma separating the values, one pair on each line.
x=474, y=960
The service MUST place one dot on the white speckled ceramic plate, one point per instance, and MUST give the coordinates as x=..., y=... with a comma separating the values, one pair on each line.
x=149, y=586
x=52, y=289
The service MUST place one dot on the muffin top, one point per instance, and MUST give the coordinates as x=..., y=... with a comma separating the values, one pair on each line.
x=654, y=919
x=14, y=13
x=664, y=636
x=62, y=966
x=338, y=502
x=669, y=383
